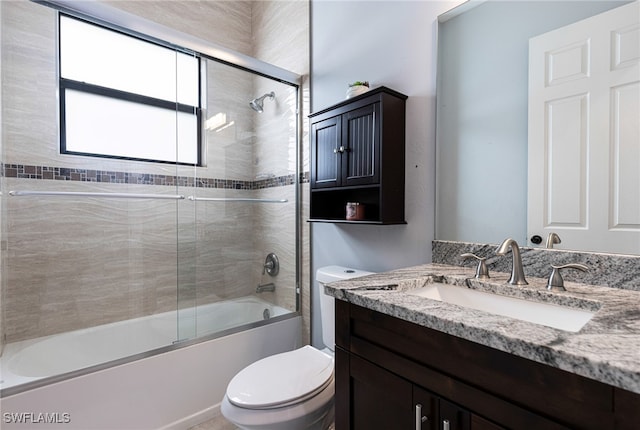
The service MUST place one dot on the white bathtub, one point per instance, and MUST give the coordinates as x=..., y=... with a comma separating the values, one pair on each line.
x=175, y=389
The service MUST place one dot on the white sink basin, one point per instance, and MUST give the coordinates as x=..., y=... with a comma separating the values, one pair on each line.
x=548, y=314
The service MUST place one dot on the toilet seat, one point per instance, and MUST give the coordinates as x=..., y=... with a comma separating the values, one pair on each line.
x=282, y=380
x=314, y=413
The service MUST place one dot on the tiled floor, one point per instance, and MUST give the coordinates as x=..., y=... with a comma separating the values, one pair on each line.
x=219, y=423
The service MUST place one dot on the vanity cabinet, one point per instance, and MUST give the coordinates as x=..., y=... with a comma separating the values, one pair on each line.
x=358, y=155
x=383, y=400
x=385, y=367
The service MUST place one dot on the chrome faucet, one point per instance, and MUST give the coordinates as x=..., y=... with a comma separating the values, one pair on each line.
x=517, y=273
x=270, y=287
x=552, y=239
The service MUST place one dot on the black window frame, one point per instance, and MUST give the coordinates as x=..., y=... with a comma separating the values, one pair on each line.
x=65, y=83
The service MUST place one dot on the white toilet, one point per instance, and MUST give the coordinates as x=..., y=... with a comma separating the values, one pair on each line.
x=292, y=390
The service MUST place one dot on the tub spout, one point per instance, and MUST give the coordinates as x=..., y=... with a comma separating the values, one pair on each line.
x=270, y=287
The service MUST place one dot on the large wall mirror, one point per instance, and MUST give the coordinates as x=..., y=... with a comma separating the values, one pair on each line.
x=482, y=116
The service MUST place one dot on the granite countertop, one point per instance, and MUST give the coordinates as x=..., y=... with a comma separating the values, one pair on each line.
x=606, y=349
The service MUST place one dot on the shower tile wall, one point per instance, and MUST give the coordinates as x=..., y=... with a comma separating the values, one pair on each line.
x=227, y=23
x=2, y=215
x=59, y=276
x=281, y=37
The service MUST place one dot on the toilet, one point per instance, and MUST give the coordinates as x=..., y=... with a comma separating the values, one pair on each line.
x=292, y=390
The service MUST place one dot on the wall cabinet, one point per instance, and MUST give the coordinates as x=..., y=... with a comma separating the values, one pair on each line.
x=386, y=367
x=358, y=155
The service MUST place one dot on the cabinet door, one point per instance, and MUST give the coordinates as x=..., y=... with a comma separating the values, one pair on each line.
x=361, y=140
x=453, y=417
x=426, y=407
x=325, y=157
x=479, y=423
x=379, y=399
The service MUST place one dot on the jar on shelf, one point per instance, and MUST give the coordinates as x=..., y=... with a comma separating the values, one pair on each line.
x=355, y=211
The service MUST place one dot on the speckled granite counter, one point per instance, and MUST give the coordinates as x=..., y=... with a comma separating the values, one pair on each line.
x=606, y=349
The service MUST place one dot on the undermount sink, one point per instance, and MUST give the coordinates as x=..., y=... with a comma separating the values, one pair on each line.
x=547, y=314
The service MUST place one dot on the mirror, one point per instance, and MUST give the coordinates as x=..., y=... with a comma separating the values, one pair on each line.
x=482, y=97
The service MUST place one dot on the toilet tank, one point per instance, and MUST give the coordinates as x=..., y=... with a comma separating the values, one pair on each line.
x=324, y=275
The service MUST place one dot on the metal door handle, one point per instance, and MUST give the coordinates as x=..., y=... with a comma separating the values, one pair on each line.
x=419, y=417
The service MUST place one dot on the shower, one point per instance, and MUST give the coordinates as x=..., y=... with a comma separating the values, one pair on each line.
x=258, y=103
x=147, y=244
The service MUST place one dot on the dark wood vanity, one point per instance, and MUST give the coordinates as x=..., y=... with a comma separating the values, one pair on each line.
x=392, y=374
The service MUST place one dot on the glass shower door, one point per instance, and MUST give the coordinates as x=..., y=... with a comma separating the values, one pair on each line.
x=89, y=255
x=242, y=205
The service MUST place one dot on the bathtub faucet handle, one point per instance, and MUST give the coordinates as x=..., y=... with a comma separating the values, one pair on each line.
x=271, y=265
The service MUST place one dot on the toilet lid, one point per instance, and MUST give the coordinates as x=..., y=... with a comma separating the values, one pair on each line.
x=281, y=379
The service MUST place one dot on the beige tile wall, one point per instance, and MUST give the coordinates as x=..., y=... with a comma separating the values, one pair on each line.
x=2, y=215
x=65, y=270
x=223, y=22
x=281, y=37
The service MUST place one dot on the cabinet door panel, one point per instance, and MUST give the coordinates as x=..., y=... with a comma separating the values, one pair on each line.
x=379, y=399
x=429, y=405
x=479, y=423
x=453, y=417
x=361, y=138
x=325, y=161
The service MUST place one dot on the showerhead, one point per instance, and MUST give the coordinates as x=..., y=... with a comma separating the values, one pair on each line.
x=258, y=104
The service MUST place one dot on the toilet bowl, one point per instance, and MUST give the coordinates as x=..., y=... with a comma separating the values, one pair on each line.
x=293, y=390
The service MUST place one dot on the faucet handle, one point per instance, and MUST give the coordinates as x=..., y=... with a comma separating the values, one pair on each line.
x=271, y=265
x=481, y=271
x=555, y=279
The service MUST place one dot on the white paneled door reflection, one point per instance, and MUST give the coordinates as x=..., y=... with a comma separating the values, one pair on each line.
x=584, y=132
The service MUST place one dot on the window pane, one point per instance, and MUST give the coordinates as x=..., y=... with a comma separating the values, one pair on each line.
x=187, y=138
x=188, y=79
x=95, y=55
x=106, y=126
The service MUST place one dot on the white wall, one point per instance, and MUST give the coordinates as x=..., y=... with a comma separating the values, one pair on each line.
x=390, y=43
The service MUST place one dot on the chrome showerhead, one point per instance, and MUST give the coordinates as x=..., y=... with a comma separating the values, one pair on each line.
x=258, y=104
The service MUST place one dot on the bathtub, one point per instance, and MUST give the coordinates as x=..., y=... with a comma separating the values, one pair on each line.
x=174, y=389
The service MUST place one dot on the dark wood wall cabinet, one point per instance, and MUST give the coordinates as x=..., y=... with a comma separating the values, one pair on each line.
x=358, y=156
x=392, y=374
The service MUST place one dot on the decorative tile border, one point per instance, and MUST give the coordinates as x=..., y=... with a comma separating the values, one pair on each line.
x=24, y=171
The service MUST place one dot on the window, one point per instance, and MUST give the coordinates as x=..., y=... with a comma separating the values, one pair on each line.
x=125, y=97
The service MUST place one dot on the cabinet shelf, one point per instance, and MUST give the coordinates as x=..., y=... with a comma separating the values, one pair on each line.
x=358, y=155
x=345, y=221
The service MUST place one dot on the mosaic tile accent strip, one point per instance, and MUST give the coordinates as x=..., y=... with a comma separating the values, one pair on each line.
x=84, y=175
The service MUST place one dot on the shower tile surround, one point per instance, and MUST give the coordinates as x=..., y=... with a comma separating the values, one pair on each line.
x=212, y=259
x=210, y=252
